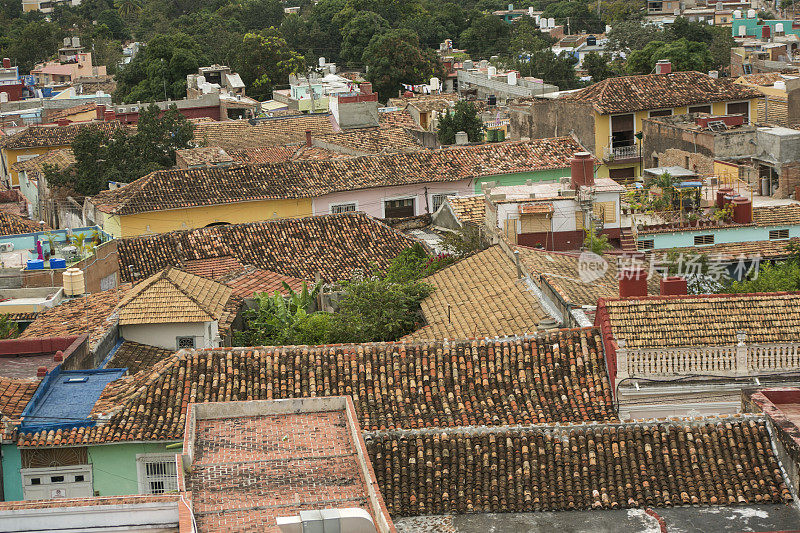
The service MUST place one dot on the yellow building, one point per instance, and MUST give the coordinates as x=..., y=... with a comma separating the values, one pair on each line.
x=606, y=117
x=38, y=140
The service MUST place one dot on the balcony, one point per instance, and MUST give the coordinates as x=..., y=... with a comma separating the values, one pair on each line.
x=621, y=153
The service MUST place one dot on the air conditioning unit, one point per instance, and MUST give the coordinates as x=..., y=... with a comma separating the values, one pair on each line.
x=6, y=246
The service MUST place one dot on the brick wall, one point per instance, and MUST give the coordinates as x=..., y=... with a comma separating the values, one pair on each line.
x=103, y=263
x=789, y=180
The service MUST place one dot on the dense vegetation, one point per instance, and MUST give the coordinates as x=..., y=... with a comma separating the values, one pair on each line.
x=394, y=38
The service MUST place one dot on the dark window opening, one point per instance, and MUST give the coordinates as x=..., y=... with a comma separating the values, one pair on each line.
x=56, y=479
x=700, y=240
x=661, y=113
x=622, y=174
x=739, y=108
x=777, y=234
x=36, y=481
x=399, y=208
x=622, y=133
x=700, y=109
x=79, y=478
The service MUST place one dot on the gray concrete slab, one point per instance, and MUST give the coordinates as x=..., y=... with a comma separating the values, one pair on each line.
x=714, y=519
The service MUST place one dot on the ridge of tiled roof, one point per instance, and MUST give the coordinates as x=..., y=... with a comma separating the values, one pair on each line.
x=703, y=320
x=138, y=357
x=173, y=189
x=478, y=296
x=11, y=224
x=777, y=215
x=251, y=280
x=69, y=111
x=173, y=296
x=555, y=377
x=654, y=91
x=335, y=246
x=204, y=155
x=382, y=140
x=34, y=167
x=612, y=466
x=51, y=135
x=15, y=394
x=468, y=208
x=92, y=313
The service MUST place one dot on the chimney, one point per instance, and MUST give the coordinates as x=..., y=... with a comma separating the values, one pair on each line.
x=62, y=122
x=6, y=62
x=673, y=286
x=41, y=372
x=100, y=111
x=58, y=357
x=366, y=88
x=462, y=138
x=632, y=282
x=308, y=137
x=582, y=170
x=664, y=66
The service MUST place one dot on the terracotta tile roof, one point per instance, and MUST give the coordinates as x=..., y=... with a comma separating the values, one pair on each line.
x=764, y=79
x=71, y=111
x=61, y=159
x=14, y=395
x=174, y=189
x=654, y=91
x=137, y=357
x=397, y=118
x=204, y=155
x=302, y=461
x=729, y=251
x=317, y=153
x=240, y=134
x=51, y=135
x=282, y=154
x=251, y=280
x=557, y=377
x=612, y=466
x=427, y=102
x=778, y=215
x=374, y=140
x=92, y=84
x=705, y=320
x=212, y=267
x=539, y=208
x=11, y=224
x=468, y=208
x=479, y=296
x=332, y=245
x=91, y=313
x=88, y=502
x=172, y=296
x=560, y=271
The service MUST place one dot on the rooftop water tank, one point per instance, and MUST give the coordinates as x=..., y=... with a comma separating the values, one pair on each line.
x=751, y=13
x=74, y=284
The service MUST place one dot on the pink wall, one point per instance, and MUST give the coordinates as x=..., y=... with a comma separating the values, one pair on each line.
x=371, y=200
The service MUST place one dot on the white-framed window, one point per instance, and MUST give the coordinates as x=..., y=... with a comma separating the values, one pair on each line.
x=399, y=207
x=184, y=342
x=157, y=473
x=437, y=199
x=738, y=108
x=348, y=207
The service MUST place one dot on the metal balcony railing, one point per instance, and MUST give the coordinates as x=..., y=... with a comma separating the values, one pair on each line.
x=621, y=152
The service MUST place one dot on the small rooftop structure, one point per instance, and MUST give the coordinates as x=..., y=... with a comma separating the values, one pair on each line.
x=309, y=463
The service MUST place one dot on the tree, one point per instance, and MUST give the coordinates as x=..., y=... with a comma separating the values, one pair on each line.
x=597, y=244
x=629, y=35
x=159, y=71
x=265, y=61
x=128, y=7
x=463, y=118
x=486, y=36
x=598, y=66
x=358, y=32
x=253, y=15
x=8, y=328
x=395, y=57
x=32, y=43
x=574, y=15
x=684, y=55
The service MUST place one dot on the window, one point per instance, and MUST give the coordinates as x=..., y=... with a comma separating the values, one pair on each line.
x=438, y=199
x=157, y=473
x=622, y=131
x=579, y=220
x=36, y=481
x=777, y=234
x=661, y=113
x=649, y=244
x=606, y=211
x=700, y=109
x=622, y=174
x=400, y=208
x=343, y=208
x=739, y=108
x=700, y=240
x=538, y=223
x=185, y=342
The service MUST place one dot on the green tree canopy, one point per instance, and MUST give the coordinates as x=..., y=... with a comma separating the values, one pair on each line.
x=684, y=55
x=486, y=36
x=265, y=60
x=358, y=32
x=575, y=15
x=395, y=57
x=463, y=118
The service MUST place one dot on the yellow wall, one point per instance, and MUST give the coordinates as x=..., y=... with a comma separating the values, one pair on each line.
x=727, y=172
x=11, y=156
x=602, y=128
x=199, y=217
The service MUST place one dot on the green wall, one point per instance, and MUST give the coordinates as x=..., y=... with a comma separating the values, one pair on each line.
x=114, y=466
x=521, y=177
x=12, y=480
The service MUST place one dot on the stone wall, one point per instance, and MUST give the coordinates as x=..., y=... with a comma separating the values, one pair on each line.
x=553, y=118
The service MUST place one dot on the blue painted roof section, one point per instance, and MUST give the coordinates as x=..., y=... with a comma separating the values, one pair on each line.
x=66, y=398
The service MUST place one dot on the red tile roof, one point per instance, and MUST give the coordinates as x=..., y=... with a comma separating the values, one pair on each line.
x=240, y=134
x=654, y=91
x=176, y=189
x=51, y=135
x=252, y=280
x=335, y=246
x=212, y=267
x=557, y=377
x=11, y=224
x=137, y=357
x=15, y=395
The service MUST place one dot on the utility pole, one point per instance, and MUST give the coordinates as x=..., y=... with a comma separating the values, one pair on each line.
x=568, y=33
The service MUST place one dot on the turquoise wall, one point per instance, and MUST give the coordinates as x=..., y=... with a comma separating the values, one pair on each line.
x=12, y=481
x=753, y=26
x=682, y=239
x=521, y=177
x=114, y=466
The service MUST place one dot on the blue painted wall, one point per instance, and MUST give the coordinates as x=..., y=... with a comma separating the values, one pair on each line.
x=683, y=239
x=12, y=481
